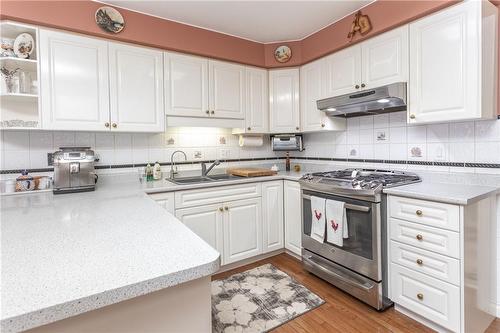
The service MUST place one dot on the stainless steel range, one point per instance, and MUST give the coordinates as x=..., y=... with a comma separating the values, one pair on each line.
x=359, y=267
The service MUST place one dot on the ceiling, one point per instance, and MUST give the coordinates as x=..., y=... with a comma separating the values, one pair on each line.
x=260, y=21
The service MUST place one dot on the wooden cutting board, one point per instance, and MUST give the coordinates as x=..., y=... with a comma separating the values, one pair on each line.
x=251, y=172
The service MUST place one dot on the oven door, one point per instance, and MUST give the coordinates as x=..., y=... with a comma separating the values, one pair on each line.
x=361, y=251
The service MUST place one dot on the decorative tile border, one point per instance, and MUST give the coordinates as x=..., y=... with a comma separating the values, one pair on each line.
x=355, y=160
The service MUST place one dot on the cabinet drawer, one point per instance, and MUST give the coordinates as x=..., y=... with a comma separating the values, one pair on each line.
x=433, y=239
x=205, y=196
x=430, y=263
x=434, y=214
x=432, y=299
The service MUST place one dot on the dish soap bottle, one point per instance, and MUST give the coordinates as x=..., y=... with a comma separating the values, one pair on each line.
x=149, y=173
x=287, y=161
x=157, y=171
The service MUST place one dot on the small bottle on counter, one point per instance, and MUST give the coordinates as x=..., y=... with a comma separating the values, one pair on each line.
x=157, y=171
x=149, y=173
x=287, y=161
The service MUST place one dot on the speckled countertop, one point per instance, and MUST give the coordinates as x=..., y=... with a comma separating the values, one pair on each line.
x=458, y=194
x=67, y=254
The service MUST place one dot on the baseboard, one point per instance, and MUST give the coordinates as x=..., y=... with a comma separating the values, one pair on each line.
x=244, y=262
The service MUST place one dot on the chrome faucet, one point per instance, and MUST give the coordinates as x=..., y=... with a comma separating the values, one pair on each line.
x=205, y=170
x=173, y=171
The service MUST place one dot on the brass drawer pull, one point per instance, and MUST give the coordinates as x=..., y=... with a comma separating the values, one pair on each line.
x=114, y=125
x=419, y=237
x=420, y=296
x=419, y=212
x=356, y=86
x=207, y=112
x=212, y=112
x=226, y=208
x=412, y=116
x=221, y=209
x=420, y=262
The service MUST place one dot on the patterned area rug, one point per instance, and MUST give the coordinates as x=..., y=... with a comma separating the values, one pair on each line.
x=258, y=300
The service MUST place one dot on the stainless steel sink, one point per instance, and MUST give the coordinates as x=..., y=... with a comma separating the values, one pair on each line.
x=201, y=179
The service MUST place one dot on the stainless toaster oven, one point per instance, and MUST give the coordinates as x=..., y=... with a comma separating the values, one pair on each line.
x=74, y=170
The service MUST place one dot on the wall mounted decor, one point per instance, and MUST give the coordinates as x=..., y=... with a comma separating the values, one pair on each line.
x=282, y=54
x=361, y=25
x=24, y=44
x=109, y=19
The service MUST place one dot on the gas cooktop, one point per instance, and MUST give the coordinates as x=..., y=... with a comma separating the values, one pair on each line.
x=366, y=181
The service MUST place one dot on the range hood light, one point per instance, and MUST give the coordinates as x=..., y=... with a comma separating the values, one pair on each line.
x=383, y=100
x=331, y=109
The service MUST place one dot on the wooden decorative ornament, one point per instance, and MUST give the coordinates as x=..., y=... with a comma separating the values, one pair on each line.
x=361, y=25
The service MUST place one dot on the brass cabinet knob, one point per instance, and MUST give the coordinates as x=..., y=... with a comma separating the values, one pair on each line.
x=412, y=116
x=212, y=112
x=363, y=85
x=221, y=209
x=419, y=237
x=420, y=262
x=226, y=208
x=322, y=125
x=297, y=128
x=207, y=112
x=106, y=124
x=249, y=128
x=419, y=212
x=420, y=296
x=356, y=86
x=114, y=125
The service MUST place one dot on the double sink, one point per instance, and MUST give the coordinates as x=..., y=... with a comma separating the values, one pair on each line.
x=202, y=179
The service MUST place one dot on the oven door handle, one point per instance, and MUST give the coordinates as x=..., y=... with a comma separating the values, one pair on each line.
x=364, y=286
x=346, y=205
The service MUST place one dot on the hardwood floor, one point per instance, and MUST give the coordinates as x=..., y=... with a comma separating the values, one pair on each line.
x=341, y=312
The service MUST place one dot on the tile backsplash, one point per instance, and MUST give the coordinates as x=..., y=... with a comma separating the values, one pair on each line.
x=28, y=149
x=388, y=137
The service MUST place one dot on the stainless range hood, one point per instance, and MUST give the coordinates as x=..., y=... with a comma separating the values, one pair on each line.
x=383, y=99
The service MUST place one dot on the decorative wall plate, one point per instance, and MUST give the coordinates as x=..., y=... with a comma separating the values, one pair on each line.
x=282, y=53
x=24, y=45
x=109, y=19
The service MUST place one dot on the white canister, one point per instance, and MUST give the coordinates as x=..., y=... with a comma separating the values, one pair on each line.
x=9, y=186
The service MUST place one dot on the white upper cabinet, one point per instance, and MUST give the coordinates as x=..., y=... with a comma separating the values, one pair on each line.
x=136, y=88
x=74, y=82
x=226, y=90
x=312, y=88
x=385, y=59
x=343, y=70
x=186, y=85
x=257, y=102
x=284, y=107
x=453, y=56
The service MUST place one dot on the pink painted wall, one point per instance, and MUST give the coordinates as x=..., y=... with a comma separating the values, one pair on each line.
x=78, y=16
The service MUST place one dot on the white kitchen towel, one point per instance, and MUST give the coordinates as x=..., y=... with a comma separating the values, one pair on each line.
x=318, y=219
x=336, y=222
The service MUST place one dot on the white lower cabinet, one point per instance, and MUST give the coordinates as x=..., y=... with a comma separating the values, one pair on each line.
x=242, y=228
x=293, y=216
x=206, y=222
x=166, y=200
x=272, y=216
x=440, y=262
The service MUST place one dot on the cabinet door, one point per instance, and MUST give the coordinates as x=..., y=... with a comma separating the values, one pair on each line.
x=284, y=107
x=293, y=217
x=257, y=98
x=186, y=85
x=165, y=200
x=227, y=90
x=136, y=89
x=444, y=65
x=385, y=58
x=74, y=82
x=343, y=70
x=272, y=216
x=242, y=229
x=312, y=88
x=206, y=222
